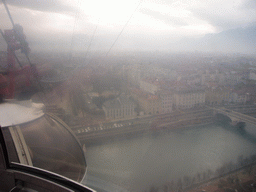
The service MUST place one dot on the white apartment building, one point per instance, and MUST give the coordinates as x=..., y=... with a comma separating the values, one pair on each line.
x=166, y=101
x=236, y=97
x=149, y=86
x=119, y=108
x=252, y=75
x=188, y=97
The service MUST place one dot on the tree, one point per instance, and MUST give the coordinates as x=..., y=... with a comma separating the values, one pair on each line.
x=249, y=169
x=153, y=189
x=198, y=177
x=179, y=184
x=170, y=185
x=209, y=173
x=237, y=180
x=186, y=180
x=230, y=166
x=253, y=158
x=166, y=188
x=204, y=176
x=230, y=179
x=220, y=171
x=221, y=183
x=193, y=181
x=240, y=160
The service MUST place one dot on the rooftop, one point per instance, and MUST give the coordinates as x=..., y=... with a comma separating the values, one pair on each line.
x=118, y=102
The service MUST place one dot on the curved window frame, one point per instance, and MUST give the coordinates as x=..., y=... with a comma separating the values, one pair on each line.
x=27, y=172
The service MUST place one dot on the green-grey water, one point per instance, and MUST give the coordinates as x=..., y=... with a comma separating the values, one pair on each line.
x=146, y=160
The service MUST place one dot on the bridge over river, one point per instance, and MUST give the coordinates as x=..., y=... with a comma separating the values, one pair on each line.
x=166, y=121
x=235, y=116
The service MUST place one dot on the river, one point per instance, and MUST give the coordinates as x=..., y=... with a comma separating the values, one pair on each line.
x=139, y=162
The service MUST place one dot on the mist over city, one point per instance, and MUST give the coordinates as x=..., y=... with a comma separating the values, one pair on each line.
x=161, y=95
x=208, y=26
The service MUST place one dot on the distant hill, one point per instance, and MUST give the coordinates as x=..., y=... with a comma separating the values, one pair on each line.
x=233, y=40
x=239, y=40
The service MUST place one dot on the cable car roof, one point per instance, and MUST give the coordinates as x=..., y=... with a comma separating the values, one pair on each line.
x=14, y=112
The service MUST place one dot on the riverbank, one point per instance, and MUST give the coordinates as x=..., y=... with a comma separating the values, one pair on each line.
x=229, y=177
x=137, y=129
x=163, y=157
x=139, y=126
x=242, y=179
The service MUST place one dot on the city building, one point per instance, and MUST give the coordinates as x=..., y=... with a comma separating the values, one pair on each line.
x=119, y=108
x=193, y=79
x=133, y=74
x=252, y=75
x=239, y=96
x=233, y=78
x=217, y=95
x=149, y=103
x=188, y=97
x=150, y=85
x=166, y=100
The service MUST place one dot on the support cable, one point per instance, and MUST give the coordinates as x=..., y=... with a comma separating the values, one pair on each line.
x=89, y=46
x=13, y=52
x=17, y=35
x=123, y=28
x=73, y=32
x=8, y=12
x=22, y=44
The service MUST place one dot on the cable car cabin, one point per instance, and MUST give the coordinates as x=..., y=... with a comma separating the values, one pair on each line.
x=37, y=150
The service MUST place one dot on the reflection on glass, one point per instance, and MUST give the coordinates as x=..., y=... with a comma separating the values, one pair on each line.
x=46, y=144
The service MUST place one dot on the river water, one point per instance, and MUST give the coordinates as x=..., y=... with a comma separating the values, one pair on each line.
x=136, y=163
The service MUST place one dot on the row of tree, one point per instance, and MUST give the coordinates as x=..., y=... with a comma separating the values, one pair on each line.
x=193, y=181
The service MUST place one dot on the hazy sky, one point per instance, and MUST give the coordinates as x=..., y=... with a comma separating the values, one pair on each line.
x=53, y=23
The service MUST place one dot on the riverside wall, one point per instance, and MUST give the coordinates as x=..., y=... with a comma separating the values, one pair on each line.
x=148, y=125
